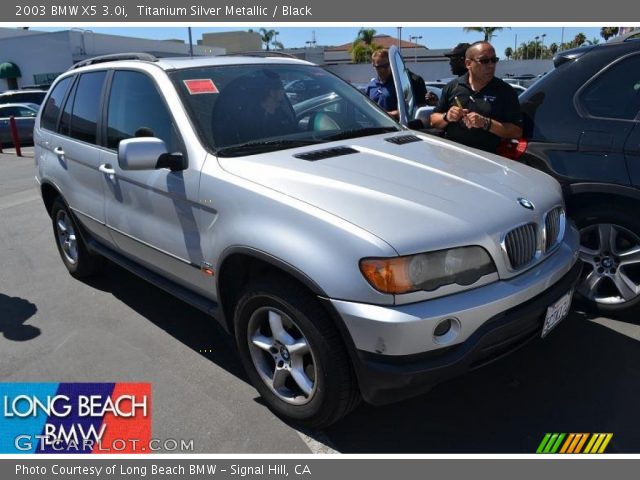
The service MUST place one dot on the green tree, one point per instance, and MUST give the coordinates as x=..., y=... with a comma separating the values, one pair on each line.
x=579, y=39
x=508, y=52
x=553, y=48
x=363, y=46
x=608, y=32
x=488, y=32
x=267, y=37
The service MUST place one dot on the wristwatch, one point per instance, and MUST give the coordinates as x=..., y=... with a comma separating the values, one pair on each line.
x=444, y=117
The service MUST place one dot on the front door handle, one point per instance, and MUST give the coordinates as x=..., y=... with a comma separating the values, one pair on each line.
x=107, y=168
x=58, y=151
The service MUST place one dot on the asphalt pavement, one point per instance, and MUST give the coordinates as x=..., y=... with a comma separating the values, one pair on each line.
x=583, y=377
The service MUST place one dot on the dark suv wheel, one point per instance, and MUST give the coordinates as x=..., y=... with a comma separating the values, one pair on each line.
x=293, y=354
x=610, y=249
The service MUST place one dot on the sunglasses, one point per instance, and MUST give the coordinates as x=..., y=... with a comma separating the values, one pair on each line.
x=382, y=65
x=486, y=61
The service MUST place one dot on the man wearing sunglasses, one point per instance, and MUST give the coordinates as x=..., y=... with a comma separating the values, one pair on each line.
x=382, y=90
x=477, y=109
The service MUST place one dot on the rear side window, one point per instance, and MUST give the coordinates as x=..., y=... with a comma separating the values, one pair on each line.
x=615, y=93
x=54, y=103
x=86, y=103
x=136, y=109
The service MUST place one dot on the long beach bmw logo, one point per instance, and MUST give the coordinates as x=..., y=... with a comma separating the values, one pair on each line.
x=525, y=203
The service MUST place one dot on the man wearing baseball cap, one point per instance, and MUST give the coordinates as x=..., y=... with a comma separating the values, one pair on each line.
x=456, y=59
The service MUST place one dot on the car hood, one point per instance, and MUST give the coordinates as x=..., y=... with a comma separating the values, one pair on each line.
x=423, y=195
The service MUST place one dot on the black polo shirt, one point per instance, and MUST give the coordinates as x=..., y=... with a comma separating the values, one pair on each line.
x=497, y=100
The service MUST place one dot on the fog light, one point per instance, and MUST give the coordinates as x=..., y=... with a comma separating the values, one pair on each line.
x=446, y=331
x=443, y=328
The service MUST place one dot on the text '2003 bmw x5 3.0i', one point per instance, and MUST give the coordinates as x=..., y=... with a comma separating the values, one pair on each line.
x=350, y=257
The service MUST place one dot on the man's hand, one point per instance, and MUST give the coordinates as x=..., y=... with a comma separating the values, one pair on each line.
x=474, y=120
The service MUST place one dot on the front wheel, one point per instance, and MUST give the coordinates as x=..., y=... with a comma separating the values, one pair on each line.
x=293, y=354
x=610, y=250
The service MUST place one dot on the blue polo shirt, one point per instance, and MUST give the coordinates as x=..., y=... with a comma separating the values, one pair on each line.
x=384, y=94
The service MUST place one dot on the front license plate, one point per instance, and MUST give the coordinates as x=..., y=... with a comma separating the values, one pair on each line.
x=556, y=312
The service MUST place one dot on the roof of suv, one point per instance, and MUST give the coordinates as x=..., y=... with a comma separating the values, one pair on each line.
x=176, y=63
x=627, y=42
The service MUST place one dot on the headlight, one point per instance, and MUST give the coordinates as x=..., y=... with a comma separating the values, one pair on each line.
x=427, y=271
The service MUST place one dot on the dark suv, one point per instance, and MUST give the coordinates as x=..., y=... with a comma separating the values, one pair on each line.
x=582, y=125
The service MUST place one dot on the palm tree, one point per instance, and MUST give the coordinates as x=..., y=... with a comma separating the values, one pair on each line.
x=553, y=48
x=366, y=36
x=488, y=32
x=267, y=37
x=608, y=32
x=508, y=52
x=579, y=39
x=363, y=46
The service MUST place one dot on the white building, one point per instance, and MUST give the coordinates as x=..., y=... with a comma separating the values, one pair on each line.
x=39, y=57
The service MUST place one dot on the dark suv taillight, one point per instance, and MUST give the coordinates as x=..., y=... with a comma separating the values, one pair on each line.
x=512, y=149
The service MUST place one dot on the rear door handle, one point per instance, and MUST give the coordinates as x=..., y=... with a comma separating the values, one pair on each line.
x=58, y=151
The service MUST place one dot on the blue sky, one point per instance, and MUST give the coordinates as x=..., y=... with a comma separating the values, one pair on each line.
x=432, y=37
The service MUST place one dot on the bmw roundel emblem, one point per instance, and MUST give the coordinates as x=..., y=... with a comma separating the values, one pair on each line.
x=525, y=203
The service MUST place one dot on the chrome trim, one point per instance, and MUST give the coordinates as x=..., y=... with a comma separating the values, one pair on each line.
x=536, y=255
x=562, y=224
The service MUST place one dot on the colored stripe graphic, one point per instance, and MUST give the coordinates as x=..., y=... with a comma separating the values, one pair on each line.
x=574, y=443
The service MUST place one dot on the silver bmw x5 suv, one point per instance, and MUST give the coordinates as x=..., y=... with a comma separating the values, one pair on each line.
x=350, y=257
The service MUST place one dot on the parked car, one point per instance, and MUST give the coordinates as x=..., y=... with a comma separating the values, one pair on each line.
x=582, y=125
x=25, y=116
x=23, y=96
x=350, y=258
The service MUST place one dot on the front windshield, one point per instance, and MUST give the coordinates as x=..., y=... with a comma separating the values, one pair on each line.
x=249, y=109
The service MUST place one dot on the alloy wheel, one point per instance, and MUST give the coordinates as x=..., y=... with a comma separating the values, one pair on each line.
x=611, y=254
x=282, y=355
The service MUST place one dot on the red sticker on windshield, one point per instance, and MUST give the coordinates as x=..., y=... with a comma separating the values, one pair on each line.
x=200, y=86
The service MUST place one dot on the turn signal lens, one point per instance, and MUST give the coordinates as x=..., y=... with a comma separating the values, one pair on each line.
x=389, y=275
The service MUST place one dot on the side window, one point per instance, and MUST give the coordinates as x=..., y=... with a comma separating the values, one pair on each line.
x=65, y=118
x=615, y=93
x=52, y=108
x=86, y=103
x=136, y=109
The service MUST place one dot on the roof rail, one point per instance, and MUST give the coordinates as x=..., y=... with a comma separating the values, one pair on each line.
x=259, y=53
x=147, y=57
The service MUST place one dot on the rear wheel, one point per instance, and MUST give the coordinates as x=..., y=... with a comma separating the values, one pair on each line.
x=75, y=256
x=293, y=354
x=610, y=250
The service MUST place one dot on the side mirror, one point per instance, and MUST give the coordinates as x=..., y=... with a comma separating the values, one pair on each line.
x=147, y=153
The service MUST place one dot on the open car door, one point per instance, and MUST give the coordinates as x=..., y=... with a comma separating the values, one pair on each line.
x=406, y=102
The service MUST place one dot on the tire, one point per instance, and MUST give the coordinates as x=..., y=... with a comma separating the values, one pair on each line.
x=73, y=252
x=311, y=384
x=610, y=250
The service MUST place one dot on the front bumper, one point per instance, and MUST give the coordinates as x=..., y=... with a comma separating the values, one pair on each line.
x=397, y=356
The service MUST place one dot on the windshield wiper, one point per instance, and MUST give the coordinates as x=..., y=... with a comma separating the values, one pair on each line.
x=361, y=132
x=252, y=148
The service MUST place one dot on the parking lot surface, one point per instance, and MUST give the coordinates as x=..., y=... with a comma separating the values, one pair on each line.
x=583, y=377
